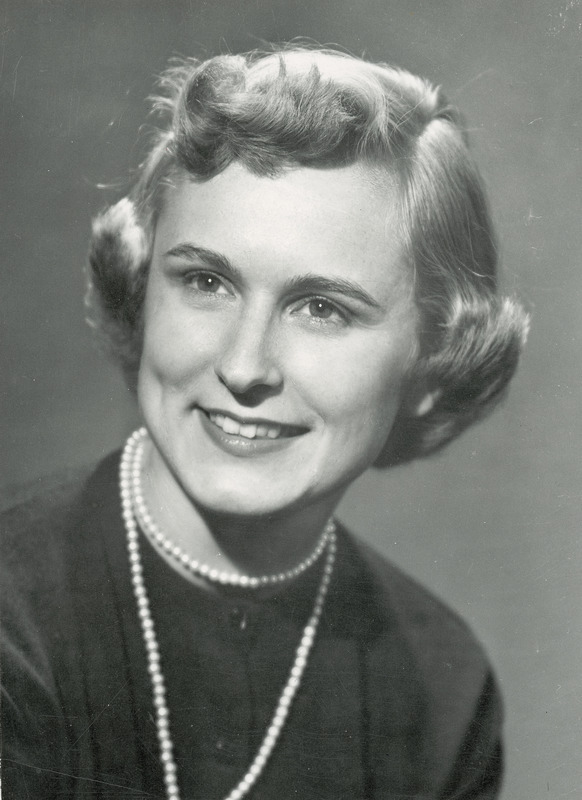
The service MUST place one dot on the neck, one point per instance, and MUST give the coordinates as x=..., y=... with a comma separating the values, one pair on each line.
x=244, y=544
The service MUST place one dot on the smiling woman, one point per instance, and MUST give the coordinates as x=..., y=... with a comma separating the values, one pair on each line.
x=275, y=336
x=302, y=284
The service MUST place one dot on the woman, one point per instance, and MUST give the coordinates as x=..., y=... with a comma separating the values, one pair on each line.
x=301, y=284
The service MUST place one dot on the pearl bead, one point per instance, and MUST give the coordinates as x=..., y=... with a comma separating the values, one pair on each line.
x=132, y=502
x=137, y=500
x=271, y=739
x=280, y=717
x=255, y=770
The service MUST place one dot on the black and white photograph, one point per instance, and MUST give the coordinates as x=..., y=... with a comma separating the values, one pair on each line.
x=290, y=381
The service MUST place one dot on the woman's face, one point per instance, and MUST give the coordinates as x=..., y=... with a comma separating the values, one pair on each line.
x=279, y=325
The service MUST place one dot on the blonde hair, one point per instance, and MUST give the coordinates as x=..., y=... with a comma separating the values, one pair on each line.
x=321, y=108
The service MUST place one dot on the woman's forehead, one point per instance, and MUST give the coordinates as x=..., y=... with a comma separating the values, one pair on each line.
x=346, y=216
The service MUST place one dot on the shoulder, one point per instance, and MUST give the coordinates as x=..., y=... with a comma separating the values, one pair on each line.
x=402, y=601
x=50, y=494
x=54, y=550
x=424, y=659
x=42, y=518
x=434, y=645
x=43, y=541
x=31, y=529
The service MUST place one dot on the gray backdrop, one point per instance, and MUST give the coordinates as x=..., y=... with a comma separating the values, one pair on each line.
x=492, y=524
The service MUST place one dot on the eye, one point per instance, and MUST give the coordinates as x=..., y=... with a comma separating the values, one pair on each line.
x=320, y=310
x=206, y=283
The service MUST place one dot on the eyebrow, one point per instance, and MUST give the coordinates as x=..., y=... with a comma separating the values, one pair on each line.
x=310, y=282
x=320, y=284
x=209, y=257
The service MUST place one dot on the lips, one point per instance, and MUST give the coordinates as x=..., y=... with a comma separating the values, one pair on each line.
x=252, y=429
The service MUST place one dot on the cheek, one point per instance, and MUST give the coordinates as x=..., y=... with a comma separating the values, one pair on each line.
x=174, y=346
x=369, y=410
x=356, y=391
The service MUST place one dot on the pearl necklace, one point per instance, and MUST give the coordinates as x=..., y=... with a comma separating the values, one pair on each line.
x=127, y=475
x=148, y=524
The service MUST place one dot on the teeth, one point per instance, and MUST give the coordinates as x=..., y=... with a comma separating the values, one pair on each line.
x=230, y=426
x=249, y=431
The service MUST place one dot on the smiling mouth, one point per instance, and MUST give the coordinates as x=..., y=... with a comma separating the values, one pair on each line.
x=252, y=429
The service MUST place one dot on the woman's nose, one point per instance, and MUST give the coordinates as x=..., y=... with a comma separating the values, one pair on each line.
x=247, y=360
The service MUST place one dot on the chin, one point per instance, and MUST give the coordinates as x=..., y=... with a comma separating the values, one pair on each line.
x=236, y=503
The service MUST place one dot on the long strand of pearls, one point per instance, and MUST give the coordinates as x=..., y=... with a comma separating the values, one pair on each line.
x=129, y=467
x=148, y=524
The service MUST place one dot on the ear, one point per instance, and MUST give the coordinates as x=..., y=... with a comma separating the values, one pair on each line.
x=427, y=403
x=422, y=400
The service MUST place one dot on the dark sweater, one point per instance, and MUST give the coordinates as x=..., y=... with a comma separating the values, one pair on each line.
x=397, y=700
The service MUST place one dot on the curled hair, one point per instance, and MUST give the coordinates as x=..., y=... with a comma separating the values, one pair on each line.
x=321, y=109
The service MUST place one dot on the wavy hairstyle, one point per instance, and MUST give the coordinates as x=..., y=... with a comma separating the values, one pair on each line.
x=321, y=108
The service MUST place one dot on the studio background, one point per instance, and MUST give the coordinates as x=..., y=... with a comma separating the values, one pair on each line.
x=492, y=525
